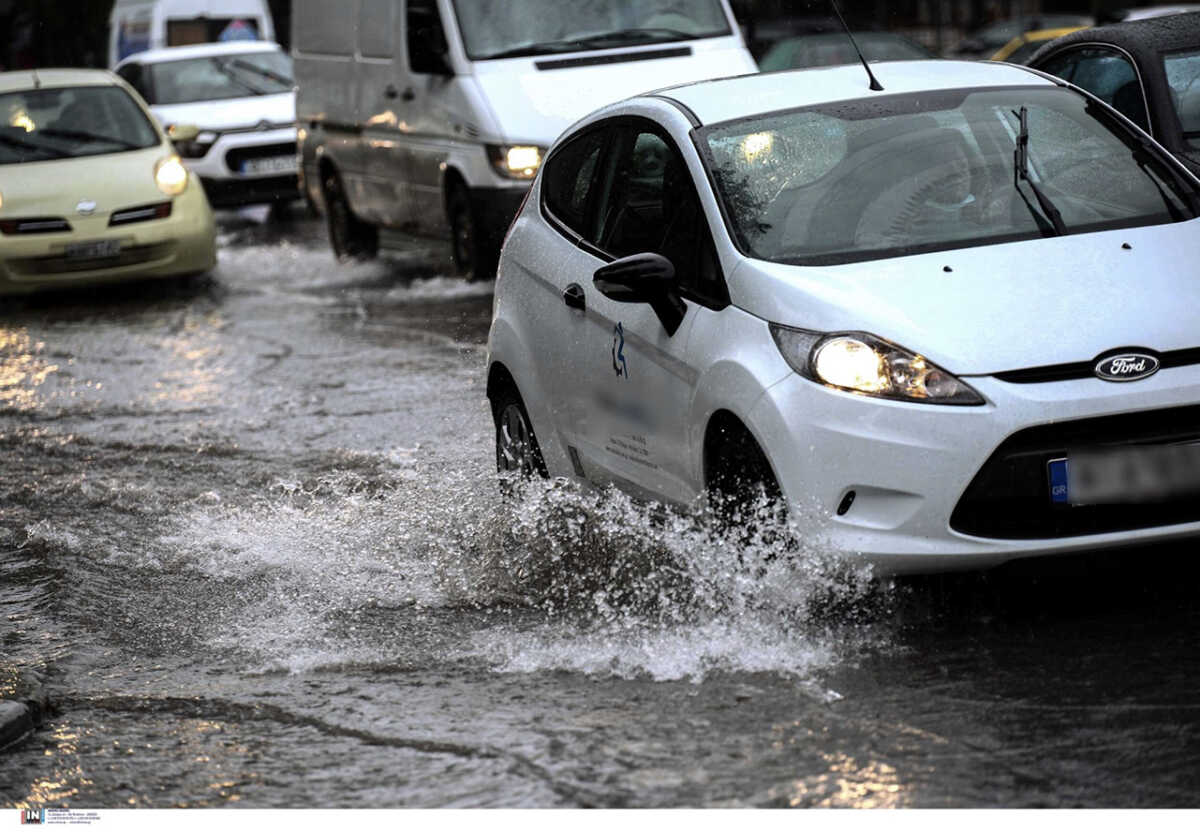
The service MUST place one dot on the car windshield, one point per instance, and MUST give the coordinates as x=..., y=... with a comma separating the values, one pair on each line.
x=835, y=48
x=510, y=28
x=899, y=175
x=1183, y=77
x=66, y=122
x=220, y=77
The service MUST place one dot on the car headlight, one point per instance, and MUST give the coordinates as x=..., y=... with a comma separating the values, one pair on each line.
x=864, y=364
x=516, y=161
x=171, y=176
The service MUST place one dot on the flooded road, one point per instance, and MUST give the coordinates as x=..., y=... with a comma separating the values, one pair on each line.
x=252, y=552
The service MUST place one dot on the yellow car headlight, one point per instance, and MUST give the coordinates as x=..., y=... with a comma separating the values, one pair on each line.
x=171, y=176
x=516, y=161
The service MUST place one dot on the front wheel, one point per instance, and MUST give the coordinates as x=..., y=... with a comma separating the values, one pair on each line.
x=517, y=452
x=474, y=258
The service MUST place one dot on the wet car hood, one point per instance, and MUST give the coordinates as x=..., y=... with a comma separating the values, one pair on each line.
x=231, y=113
x=55, y=188
x=1002, y=307
x=535, y=105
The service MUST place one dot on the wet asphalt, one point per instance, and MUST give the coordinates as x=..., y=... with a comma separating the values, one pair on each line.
x=252, y=552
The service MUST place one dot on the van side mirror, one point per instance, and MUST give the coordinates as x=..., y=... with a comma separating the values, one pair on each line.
x=644, y=278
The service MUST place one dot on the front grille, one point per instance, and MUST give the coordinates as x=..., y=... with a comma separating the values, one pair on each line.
x=143, y=213
x=238, y=155
x=35, y=225
x=132, y=256
x=1010, y=496
x=1087, y=369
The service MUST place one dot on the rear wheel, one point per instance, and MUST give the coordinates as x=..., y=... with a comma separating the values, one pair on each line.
x=349, y=236
x=474, y=258
x=517, y=450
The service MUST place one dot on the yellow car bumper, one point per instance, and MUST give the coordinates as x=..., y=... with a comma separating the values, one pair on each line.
x=182, y=244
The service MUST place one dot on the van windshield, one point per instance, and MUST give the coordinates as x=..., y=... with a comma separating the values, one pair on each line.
x=68, y=122
x=513, y=28
x=887, y=177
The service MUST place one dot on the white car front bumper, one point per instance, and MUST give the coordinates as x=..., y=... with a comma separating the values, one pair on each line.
x=909, y=466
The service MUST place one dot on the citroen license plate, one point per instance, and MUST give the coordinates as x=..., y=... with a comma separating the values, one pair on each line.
x=93, y=251
x=1148, y=474
x=271, y=165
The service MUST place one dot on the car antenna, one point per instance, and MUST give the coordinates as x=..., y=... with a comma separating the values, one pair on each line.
x=875, y=85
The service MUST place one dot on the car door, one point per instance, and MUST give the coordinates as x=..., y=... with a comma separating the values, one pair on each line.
x=634, y=383
x=1107, y=73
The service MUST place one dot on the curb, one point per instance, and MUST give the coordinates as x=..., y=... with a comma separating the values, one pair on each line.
x=16, y=723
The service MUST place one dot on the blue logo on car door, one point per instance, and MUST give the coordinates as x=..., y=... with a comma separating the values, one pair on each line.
x=618, y=352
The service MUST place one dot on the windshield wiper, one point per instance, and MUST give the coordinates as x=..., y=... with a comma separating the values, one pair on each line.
x=539, y=48
x=265, y=73
x=1142, y=159
x=84, y=136
x=232, y=76
x=638, y=36
x=12, y=142
x=1021, y=172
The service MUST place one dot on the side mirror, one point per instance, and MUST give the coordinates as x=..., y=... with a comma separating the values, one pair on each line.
x=183, y=133
x=644, y=278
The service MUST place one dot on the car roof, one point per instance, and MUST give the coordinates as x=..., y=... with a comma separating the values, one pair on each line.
x=200, y=50
x=728, y=99
x=28, y=79
x=1144, y=39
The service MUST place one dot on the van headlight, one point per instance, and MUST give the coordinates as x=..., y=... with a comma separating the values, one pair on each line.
x=171, y=176
x=516, y=161
x=864, y=364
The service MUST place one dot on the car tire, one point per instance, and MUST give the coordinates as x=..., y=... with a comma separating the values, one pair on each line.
x=474, y=257
x=738, y=475
x=517, y=451
x=350, y=237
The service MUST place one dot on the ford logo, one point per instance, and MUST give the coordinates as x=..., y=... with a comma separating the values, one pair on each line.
x=1127, y=366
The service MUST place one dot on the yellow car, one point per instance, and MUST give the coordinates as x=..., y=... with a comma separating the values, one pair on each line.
x=1021, y=48
x=91, y=189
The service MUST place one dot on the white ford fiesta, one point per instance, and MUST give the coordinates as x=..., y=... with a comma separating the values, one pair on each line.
x=959, y=317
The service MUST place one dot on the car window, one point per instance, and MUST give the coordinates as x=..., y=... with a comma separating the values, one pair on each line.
x=569, y=178
x=1106, y=74
x=900, y=175
x=1183, y=79
x=220, y=77
x=62, y=123
x=425, y=37
x=649, y=204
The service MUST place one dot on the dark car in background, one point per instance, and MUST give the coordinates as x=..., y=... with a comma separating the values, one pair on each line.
x=1148, y=70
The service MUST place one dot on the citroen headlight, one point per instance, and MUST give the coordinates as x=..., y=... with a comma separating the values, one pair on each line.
x=870, y=366
x=171, y=176
x=516, y=161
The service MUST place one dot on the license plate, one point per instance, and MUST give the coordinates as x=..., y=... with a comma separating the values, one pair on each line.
x=1126, y=475
x=93, y=251
x=274, y=164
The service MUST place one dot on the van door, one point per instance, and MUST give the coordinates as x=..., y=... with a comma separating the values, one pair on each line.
x=431, y=92
x=385, y=196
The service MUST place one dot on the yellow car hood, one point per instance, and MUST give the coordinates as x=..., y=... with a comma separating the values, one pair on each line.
x=57, y=188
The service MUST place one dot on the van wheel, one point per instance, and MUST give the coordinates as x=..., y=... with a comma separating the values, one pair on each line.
x=517, y=450
x=349, y=236
x=474, y=258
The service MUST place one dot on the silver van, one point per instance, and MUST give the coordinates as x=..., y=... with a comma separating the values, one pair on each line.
x=431, y=117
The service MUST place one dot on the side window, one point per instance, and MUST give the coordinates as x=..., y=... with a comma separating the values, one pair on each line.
x=650, y=205
x=569, y=180
x=426, y=38
x=133, y=75
x=1106, y=74
x=376, y=28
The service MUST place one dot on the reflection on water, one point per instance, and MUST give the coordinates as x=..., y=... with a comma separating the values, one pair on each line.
x=22, y=370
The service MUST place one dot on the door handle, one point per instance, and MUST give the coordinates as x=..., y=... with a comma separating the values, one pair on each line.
x=574, y=298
